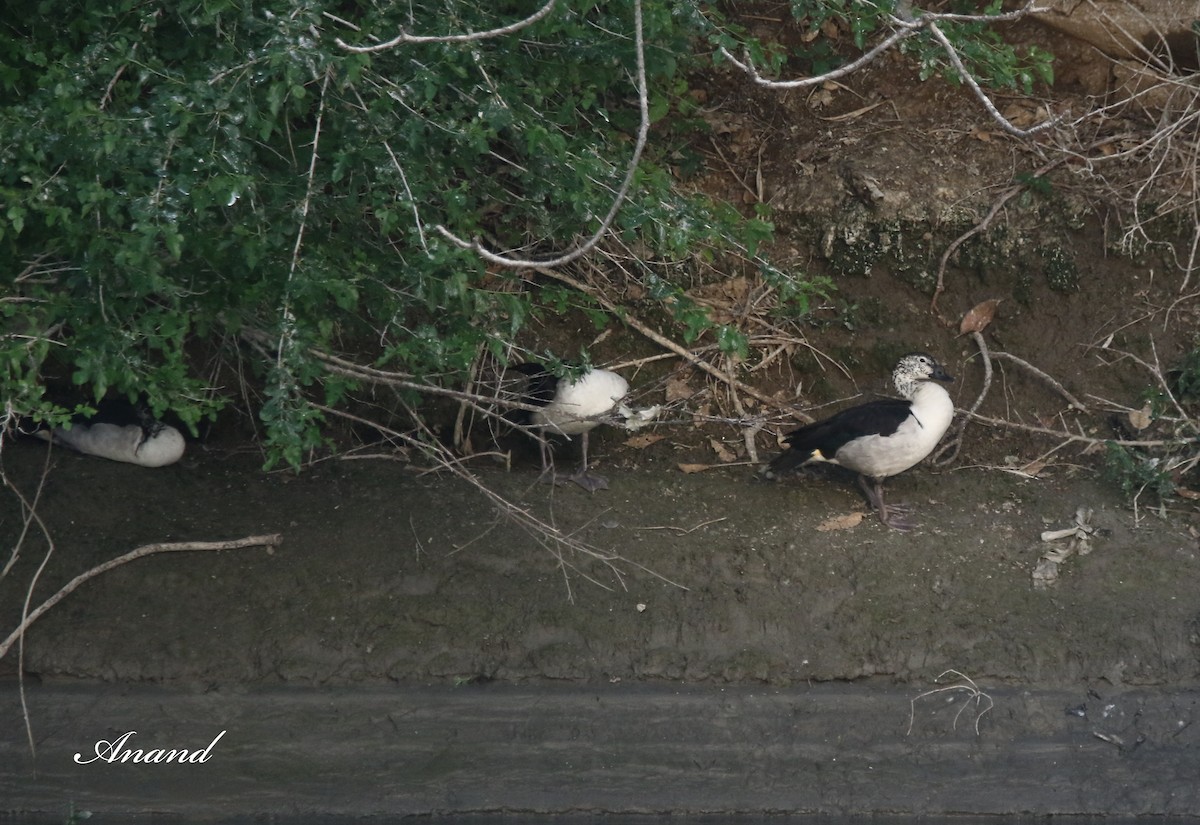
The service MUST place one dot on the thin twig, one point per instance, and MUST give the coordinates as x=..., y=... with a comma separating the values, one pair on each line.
x=952, y=446
x=622, y=191
x=270, y=540
x=1079, y=438
x=547, y=534
x=657, y=337
x=1004, y=198
x=965, y=684
x=1059, y=388
x=912, y=23
x=405, y=38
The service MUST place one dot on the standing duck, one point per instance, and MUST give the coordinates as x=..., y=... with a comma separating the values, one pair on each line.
x=571, y=407
x=881, y=438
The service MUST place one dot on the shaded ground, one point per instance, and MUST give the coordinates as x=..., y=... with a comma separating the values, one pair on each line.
x=780, y=651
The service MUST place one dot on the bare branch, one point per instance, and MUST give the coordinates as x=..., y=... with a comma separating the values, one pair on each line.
x=272, y=540
x=1059, y=388
x=980, y=94
x=640, y=146
x=905, y=28
x=658, y=337
x=551, y=537
x=405, y=38
x=749, y=68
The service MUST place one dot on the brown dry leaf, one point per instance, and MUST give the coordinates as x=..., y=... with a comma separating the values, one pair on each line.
x=694, y=468
x=1140, y=419
x=1184, y=492
x=981, y=135
x=724, y=453
x=641, y=442
x=1019, y=116
x=980, y=315
x=820, y=99
x=840, y=522
x=1034, y=468
x=723, y=297
x=678, y=389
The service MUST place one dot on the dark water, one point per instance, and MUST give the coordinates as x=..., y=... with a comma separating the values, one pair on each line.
x=91, y=818
x=676, y=819
x=691, y=819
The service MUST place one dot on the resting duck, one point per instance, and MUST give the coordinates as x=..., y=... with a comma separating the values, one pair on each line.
x=571, y=407
x=881, y=438
x=148, y=443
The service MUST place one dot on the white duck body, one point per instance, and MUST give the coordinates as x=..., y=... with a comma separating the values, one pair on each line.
x=881, y=438
x=159, y=446
x=571, y=407
x=880, y=456
x=577, y=405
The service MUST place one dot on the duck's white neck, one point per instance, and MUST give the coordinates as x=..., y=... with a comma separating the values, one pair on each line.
x=932, y=406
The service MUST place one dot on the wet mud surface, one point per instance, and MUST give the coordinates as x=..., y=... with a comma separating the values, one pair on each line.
x=707, y=648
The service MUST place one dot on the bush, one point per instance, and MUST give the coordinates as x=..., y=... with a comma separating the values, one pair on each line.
x=222, y=176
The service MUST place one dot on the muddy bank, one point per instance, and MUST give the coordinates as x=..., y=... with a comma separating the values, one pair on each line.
x=631, y=748
x=406, y=651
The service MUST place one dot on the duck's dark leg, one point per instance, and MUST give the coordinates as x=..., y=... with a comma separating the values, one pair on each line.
x=889, y=515
x=583, y=478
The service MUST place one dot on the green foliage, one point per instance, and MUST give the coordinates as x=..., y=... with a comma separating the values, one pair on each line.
x=1186, y=377
x=175, y=179
x=186, y=184
x=1137, y=474
x=1038, y=184
x=990, y=60
x=1159, y=469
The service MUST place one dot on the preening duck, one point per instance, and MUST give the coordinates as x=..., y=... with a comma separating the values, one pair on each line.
x=571, y=407
x=147, y=443
x=881, y=438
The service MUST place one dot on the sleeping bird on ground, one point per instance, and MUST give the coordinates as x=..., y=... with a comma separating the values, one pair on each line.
x=147, y=443
x=881, y=438
x=570, y=407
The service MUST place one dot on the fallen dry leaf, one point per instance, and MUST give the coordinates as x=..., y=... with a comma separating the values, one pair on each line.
x=1140, y=419
x=641, y=442
x=840, y=522
x=678, y=390
x=1184, y=492
x=820, y=99
x=723, y=452
x=980, y=315
x=1034, y=468
x=694, y=468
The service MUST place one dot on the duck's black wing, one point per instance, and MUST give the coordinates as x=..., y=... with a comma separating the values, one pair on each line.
x=882, y=417
x=539, y=390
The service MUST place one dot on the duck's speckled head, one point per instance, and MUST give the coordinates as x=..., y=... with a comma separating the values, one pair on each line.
x=916, y=367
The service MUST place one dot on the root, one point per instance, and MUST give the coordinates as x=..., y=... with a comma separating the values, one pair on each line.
x=965, y=684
